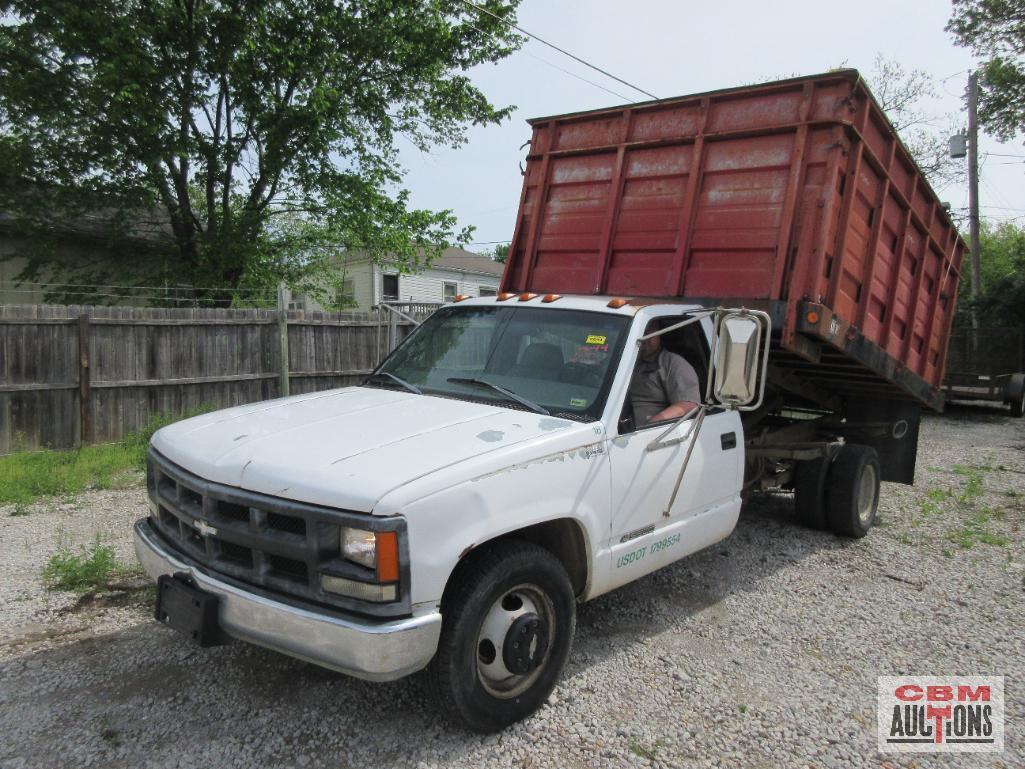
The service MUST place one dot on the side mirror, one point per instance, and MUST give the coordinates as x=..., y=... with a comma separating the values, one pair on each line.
x=740, y=354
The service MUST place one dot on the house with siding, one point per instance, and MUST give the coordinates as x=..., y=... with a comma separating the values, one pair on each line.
x=359, y=283
x=364, y=283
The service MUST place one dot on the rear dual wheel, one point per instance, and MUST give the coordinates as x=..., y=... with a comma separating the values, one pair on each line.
x=1018, y=406
x=841, y=495
x=508, y=621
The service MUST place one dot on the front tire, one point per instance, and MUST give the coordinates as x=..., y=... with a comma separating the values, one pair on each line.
x=852, y=495
x=509, y=615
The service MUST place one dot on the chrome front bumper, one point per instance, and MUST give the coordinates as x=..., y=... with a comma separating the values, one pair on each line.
x=376, y=651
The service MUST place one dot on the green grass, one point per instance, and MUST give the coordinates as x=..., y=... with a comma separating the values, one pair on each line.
x=25, y=476
x=91, y=568
x=975, y=531
x=641, y=751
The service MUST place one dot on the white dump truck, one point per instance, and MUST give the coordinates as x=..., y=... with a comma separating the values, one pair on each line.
x=452, y=511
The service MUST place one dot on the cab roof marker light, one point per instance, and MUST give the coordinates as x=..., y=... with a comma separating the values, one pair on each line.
x=615, y=304
x=460, y=297
x=505, y=295
x=527, y=296
x=548, y=298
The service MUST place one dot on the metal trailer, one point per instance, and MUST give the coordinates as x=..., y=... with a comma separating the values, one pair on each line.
x=987, y=364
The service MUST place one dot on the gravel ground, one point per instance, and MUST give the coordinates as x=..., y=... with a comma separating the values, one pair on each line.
x=762, y=651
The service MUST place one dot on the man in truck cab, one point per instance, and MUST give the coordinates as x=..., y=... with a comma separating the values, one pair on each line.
x=664, y=385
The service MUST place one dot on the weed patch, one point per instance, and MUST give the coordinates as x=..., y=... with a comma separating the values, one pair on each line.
x=975, y=531
x=975, y=528
x=91, y=568
x=28, y=475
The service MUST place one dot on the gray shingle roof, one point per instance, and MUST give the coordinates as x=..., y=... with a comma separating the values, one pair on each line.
x=466, y=261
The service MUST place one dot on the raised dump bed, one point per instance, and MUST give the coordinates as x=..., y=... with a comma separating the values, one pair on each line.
x=794, y=196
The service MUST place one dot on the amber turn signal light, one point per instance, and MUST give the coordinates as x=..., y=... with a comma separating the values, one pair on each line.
x=812, y=316
x=387, y=556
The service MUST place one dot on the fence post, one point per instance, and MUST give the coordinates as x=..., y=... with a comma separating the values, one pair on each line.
x=393, y=330
x=377, y=338
x=85, y=411
x=283, y=340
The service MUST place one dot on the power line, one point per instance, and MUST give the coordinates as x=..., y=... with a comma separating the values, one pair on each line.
x=566, y=71
x=951, y=77
x=578, y=77
x=557, y=48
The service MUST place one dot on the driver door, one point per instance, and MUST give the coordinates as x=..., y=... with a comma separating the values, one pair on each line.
x=646, y=532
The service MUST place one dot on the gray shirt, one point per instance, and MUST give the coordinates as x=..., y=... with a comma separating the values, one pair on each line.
x=659, y=382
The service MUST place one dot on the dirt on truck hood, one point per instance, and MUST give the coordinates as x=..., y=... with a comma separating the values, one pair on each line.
x=344, y=448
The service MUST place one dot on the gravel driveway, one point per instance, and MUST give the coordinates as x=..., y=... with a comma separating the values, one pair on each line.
x=762, y=651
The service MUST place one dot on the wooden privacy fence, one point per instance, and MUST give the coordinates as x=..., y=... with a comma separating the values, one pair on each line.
x=77, y=374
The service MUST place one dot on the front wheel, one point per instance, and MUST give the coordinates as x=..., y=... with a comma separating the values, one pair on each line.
x=508, y=620
x=852, y=493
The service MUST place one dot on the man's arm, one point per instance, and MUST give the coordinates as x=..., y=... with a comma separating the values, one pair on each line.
x=674, y=411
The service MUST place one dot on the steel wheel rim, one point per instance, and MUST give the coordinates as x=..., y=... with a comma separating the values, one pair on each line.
x=492, y=672
x=867, y=494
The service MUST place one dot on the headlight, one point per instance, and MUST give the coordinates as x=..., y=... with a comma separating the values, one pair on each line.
x=360, y=547
x=377, y=550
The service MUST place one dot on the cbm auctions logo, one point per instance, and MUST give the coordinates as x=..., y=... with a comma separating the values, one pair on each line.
x=941, y=714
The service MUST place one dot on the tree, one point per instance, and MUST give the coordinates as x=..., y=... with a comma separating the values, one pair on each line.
x=259, y=134
x=501, y=252
x=994, y=30
x=904, y=96
x=1002, y=296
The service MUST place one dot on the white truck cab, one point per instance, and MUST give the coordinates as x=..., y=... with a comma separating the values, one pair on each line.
x=451, y=511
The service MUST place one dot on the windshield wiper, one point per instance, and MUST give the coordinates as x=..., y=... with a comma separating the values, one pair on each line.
x=498, y=388
x=411, y=387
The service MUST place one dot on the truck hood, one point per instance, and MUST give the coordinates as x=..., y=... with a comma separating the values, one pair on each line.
x=346, y=448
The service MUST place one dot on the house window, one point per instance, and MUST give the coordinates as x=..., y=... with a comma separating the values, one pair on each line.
x=449, y=291
x=487, y=291
x=298, y=303
x=390, y=287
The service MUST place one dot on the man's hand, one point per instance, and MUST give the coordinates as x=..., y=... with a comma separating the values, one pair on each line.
x=674, y=411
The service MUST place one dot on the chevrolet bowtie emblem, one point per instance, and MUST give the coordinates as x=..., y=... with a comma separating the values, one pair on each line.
x=205, y=528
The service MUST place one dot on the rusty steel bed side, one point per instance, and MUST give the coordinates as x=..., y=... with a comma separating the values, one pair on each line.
x=833, y=211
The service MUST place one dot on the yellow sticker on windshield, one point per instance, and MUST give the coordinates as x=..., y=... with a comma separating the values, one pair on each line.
x=579, y=402
x=595, y=339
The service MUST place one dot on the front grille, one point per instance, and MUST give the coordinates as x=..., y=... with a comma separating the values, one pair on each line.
x=277, y=544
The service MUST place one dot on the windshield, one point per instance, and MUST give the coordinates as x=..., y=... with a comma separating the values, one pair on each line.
x=559, y=360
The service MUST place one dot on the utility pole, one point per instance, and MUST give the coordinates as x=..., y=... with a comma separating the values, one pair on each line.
x=973, y=190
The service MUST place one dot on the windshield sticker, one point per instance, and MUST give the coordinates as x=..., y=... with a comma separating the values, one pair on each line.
x=579, y=402
x=595, y=339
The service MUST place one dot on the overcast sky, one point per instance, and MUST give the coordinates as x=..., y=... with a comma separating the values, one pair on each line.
x=683, y=47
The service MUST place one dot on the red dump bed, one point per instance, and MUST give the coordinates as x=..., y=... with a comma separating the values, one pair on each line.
x=796, y=194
